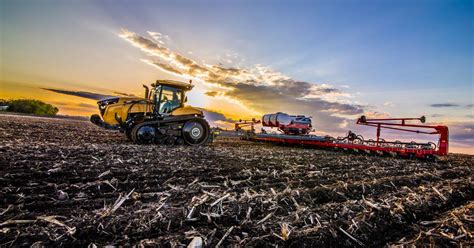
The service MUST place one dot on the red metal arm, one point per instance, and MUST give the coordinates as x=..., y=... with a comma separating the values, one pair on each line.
x=246, y=123
x=388, y=123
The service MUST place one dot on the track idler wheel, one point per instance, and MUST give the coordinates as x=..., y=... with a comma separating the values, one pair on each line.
x=196, y=132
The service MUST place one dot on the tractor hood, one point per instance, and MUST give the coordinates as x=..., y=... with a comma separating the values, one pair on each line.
x=115, y=99
x=118, y=102
x=106, y=101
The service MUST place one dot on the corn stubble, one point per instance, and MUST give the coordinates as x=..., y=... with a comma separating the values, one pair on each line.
x=65, y=182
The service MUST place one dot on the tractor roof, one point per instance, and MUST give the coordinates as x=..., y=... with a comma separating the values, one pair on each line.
x=176, y=84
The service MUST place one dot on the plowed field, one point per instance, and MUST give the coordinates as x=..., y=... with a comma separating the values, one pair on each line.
x=68, y=183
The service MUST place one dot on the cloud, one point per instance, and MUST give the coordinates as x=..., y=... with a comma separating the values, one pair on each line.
x=164, y=67
x=124, y=94
x=76, y=107
x=86, y=105
x=375, y=114
x=217, y=119
x=84, y=94
x=444, y=105
x=211, y=93
x=389, y=104
x=73, y=104
x=158, y=37
x=215, y=116
x=258, y=88
x=287, y=98
x=462, y=132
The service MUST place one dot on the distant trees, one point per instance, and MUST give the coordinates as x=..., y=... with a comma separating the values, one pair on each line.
x=29, y=106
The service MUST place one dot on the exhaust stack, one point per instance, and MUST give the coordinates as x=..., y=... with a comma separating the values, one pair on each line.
x=147, y=91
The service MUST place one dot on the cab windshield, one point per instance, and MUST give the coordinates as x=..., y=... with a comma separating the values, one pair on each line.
x=169, y=99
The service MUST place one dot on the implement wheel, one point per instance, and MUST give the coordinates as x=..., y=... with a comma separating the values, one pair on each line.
x=196, y=132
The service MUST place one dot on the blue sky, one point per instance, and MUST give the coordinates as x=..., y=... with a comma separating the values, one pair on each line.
x=392, y=57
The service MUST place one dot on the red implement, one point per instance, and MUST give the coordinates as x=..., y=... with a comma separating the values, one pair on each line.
x=390, y=123
x=356, y=142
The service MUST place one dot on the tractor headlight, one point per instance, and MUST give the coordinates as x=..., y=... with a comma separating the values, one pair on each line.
x=108, y=101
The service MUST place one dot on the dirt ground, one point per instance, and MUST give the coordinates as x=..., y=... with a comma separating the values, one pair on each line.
x=68, y=183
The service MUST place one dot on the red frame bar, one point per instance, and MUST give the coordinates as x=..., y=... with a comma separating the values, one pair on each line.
x=443, y=131
x=420, y=153
x=443, y=143
x=245, y=123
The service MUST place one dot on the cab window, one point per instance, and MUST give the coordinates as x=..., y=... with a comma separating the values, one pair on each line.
x=171, y=98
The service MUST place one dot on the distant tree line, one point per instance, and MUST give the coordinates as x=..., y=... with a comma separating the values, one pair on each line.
x=29, y=106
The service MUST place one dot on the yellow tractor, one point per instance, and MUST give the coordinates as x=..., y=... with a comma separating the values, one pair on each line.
x=160, y=117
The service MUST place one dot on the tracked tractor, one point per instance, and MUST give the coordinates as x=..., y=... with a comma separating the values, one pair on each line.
x=161, y=117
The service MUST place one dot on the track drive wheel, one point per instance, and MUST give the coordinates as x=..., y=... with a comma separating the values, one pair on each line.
x=196, y=132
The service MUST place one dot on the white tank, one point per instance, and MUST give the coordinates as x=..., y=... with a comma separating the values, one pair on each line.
x=275, y=120
x=266, y=120
x=283, y=119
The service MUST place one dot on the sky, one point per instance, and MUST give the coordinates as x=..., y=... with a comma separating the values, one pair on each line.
x=332, y=60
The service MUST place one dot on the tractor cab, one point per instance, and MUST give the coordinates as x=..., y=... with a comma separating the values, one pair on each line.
x=168, y=95
x=168, y=98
